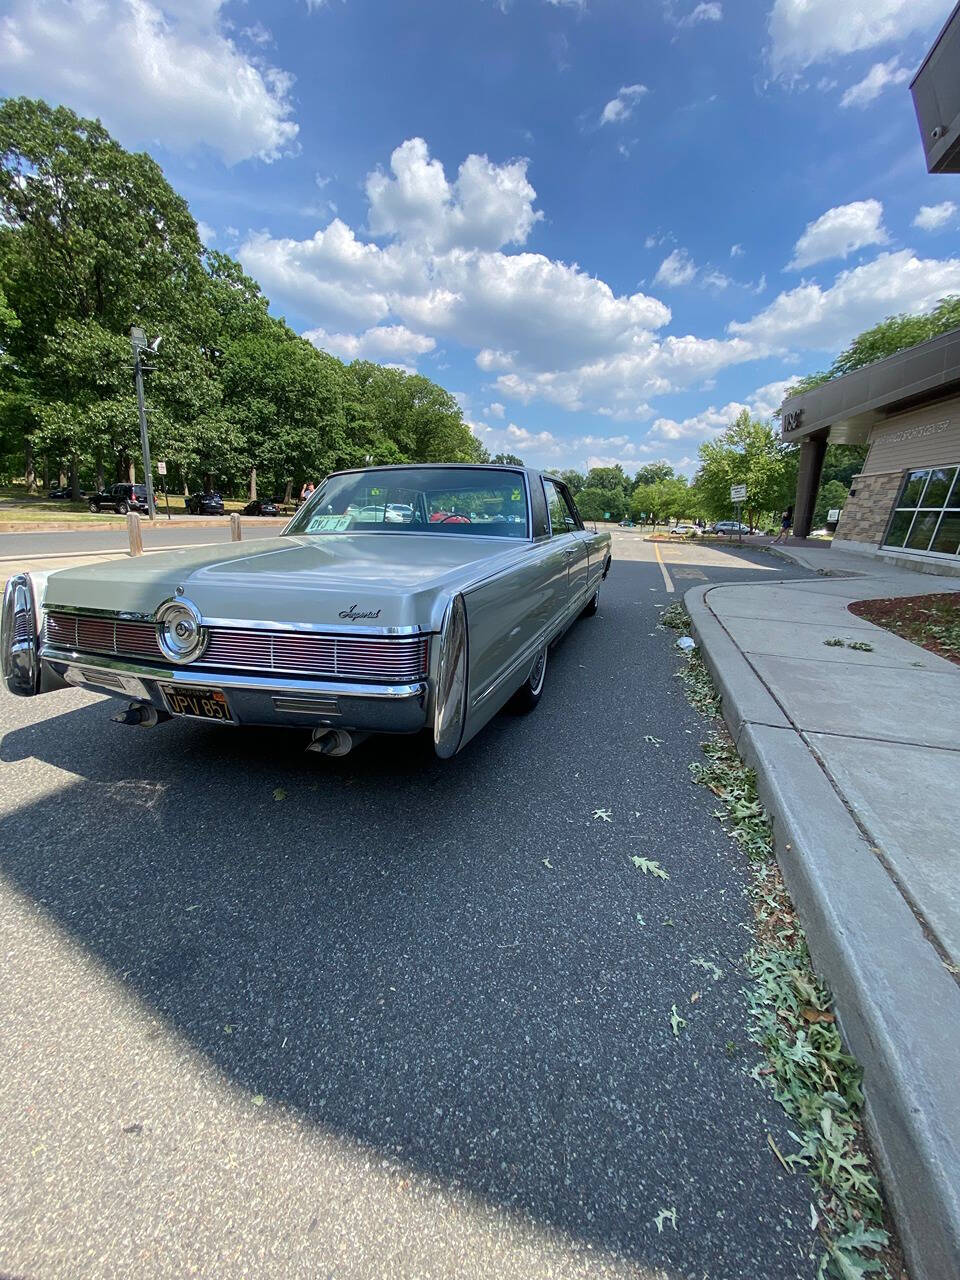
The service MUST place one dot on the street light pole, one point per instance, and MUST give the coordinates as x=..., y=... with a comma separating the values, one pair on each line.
x=138, y=341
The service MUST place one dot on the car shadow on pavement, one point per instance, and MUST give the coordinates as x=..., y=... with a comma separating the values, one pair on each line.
x=437, y=959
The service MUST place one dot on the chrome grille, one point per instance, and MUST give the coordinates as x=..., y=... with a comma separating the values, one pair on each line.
x=395, y=659
x=22, y=630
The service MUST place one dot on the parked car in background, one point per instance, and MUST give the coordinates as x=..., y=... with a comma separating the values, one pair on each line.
x=121, y=498
x=728, y=527
x=343, y=626
x=61, y=492
x=627, y=524
x=685, y=530
x=204, y=504
x=262, y=507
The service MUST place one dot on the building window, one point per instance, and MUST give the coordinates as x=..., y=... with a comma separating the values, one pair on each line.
x=927, y=514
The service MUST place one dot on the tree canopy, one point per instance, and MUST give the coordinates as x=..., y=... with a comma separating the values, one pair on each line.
x=94, y=239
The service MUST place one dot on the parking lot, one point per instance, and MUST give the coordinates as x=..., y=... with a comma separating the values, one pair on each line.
x=267, y=1014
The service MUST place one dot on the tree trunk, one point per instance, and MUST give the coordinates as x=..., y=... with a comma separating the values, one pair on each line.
x=253, y=484
x=131, y=471
x=62, y=481
x=100, y=476
x=74, y=479
x=207, y=482
x=46, y=473
x=288, y=493
x=29, y=468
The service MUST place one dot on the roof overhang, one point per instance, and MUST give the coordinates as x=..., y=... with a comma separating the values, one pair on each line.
x=847, y=407
x=936, y=99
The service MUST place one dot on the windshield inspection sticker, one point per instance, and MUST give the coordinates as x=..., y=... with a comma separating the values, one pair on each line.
x=335, y=523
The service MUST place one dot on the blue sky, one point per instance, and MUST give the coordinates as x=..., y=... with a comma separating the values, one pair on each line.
x=606, y=225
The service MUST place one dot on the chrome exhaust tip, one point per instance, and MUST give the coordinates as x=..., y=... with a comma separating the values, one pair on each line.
x=334, y=742
x=144, y=714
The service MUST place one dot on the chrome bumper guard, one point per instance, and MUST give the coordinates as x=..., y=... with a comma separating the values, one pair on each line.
x=265, y=700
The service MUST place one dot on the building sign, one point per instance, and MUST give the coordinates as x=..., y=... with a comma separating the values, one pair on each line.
x=793, y=420
x=918, y=433
x=738, y=493
x=833, y=515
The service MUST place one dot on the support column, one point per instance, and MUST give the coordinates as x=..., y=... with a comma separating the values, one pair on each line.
x=809, y=471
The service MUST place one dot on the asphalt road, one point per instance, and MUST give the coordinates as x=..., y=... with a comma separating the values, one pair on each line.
x=265, y=1014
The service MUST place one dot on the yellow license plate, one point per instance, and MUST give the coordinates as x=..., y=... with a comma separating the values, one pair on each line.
x=204, y=704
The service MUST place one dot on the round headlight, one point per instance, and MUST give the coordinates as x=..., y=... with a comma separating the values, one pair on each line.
x=179, y=631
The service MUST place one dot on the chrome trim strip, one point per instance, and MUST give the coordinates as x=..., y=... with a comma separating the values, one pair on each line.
x=317, y=627
x=205, y=679
x=243, y=624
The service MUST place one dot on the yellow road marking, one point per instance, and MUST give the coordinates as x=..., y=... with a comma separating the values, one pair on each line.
x=663, y=568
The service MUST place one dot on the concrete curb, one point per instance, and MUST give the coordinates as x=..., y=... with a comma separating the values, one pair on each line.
x=783, y=553
x=899, y=1009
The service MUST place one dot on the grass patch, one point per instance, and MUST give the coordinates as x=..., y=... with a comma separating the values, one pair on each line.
x=792, y=1022
x=931, y=621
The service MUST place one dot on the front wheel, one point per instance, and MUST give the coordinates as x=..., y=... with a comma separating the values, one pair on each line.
x=122, y=508
x=94, y=507
x=530, y=692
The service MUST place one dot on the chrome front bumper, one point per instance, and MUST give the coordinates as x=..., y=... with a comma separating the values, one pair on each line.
x=264, y=700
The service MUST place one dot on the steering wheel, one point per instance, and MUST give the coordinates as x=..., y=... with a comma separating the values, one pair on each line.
x=454, y=515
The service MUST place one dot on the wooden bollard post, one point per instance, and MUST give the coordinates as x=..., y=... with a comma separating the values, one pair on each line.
x=236, y=533
x=134, y=533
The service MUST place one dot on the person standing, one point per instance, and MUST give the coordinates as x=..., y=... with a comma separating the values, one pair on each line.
x=785, y=523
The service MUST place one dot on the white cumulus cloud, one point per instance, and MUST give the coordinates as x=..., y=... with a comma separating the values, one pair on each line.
x=838, y=232
x=388, y=342
x=803, y=32
x=816, y=319
x=167, y=73
x=486, y=207
x=621, y=107
x=931, y=217
x=880, y=75
x=676, y=268
x=706, y=11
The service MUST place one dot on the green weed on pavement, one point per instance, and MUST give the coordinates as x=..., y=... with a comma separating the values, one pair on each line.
x=791, y=1019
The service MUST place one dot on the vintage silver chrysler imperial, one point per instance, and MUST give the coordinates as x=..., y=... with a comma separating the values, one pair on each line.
x=397, y=599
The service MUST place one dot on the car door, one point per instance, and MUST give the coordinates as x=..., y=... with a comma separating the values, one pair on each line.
x=580, y=575
x=563, y=533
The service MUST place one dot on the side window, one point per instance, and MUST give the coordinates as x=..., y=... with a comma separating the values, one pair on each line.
x=555, y=509
x=570, y=506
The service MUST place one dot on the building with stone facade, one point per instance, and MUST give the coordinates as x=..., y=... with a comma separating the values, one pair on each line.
x=905, y=504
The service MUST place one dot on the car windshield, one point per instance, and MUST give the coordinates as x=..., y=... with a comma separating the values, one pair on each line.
x=457, y=500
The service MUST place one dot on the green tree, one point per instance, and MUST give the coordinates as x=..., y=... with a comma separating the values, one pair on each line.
x=749, y=452
x=661, y=500
x=594, y=503
x=832, y=494
x=507, y=460
x=611, y=478
x=574, y=480
x=652, y=473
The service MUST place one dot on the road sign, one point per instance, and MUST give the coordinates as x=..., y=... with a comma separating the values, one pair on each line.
x=833, y=515
x=606, y=515
x=161, y=468
x=738, y=493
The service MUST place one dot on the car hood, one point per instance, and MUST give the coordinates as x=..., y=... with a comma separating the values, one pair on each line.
x=362, y=579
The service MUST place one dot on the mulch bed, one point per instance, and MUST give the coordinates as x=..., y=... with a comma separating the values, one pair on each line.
x=930, y=621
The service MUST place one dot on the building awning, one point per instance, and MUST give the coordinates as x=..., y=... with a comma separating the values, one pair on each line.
x=846, y=408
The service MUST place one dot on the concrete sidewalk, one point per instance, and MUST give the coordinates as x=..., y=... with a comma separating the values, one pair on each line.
x=857, y=755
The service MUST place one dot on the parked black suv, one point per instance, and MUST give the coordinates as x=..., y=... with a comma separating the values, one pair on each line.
x=204, y=504
x=121, y=498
